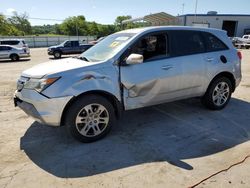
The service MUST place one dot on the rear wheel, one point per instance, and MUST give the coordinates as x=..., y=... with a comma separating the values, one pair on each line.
x=90, y=118
x=14, y=57
x=218, y=94
x=57, y=55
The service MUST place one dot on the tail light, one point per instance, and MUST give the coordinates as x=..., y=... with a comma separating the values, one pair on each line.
x=239, y=55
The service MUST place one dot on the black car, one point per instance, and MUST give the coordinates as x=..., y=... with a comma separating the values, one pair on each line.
x=68, y=47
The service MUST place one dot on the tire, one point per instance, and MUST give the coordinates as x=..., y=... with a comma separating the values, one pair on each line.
x=218, y=94
x=84, y=120
x=57, y=54
x=14, y=57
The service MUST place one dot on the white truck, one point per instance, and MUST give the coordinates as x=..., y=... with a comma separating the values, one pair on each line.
x=243, y=42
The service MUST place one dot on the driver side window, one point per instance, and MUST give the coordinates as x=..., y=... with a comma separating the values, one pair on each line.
x=151, y=47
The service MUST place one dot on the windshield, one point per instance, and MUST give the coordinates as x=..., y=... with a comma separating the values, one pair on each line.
x=107, y=47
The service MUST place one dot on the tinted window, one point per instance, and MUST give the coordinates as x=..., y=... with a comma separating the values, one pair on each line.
x=151, y=47
x=67, y=44
x=213, y=43
x=186, y=43
x=5, y=48
x=10, y=42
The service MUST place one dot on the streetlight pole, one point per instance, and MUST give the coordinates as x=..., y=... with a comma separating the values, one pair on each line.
x=196, y=5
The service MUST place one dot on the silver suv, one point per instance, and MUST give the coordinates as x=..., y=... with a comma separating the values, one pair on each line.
x=128, y=70
x=10, y=52
x=18, y=43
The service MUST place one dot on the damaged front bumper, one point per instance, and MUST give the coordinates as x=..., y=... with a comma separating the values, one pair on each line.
x=43, y=109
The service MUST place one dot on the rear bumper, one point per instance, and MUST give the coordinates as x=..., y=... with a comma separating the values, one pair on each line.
x=24, y=55
x=42, y=109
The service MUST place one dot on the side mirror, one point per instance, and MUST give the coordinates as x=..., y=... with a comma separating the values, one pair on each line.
x=134, y=59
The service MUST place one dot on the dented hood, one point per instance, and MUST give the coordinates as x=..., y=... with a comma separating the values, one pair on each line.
x=55, y=66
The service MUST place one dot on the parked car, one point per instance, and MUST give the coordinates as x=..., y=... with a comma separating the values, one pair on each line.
x=243, y=42
x=68, y=47
x=128, y=70
x=13, y=53
x=18, y=43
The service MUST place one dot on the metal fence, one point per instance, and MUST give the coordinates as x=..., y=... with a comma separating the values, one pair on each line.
x=46, y=41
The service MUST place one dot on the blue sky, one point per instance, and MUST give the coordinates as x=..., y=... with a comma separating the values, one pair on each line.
x=105, y=12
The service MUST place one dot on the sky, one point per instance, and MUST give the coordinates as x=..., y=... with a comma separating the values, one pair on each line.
x=105, y=11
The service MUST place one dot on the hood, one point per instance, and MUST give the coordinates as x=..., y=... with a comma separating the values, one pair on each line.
x=55, y=46
x=55, y=66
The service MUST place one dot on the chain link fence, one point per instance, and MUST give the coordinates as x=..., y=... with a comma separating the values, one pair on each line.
x=46, y=41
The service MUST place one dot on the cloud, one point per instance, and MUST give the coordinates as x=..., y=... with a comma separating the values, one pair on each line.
x=10, y=10
x=94, y=7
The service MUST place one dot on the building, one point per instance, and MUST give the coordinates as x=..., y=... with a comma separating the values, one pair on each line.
x=236, y=25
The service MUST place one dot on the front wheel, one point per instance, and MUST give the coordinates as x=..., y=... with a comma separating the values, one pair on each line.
x=90, y=118
x=218, y=94
x=57, y=55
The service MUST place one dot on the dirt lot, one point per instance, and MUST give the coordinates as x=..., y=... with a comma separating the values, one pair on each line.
x=171, y=145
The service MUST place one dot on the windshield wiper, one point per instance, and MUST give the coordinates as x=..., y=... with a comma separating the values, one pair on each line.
x=83, y=58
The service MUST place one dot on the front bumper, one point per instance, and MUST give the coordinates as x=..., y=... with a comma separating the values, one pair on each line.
x=42, y=109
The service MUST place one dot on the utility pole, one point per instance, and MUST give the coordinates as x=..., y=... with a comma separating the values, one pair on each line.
x=183, y=7
x=196, y=5
x=77, y=31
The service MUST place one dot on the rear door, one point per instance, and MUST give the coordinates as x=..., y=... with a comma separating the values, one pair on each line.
x=4, y=52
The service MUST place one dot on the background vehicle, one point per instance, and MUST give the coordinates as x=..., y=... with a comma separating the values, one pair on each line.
x=243, y=42
x=68, y=47
x=13, y=53
x=97, y=41
x=18, y=43
x=128, y=70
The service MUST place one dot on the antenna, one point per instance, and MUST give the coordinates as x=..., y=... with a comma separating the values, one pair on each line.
x=183, y=8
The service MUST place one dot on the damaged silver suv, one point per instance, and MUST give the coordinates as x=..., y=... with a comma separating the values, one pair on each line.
x=128, y=70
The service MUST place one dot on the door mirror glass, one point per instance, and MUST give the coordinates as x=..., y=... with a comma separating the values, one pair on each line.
x=134, y=59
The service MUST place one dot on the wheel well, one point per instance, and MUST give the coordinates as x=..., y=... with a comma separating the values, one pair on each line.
x=13, y=54
x=114, y=101
x=228, y=75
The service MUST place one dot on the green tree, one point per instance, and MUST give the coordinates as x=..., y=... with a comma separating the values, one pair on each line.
x=119, y=19
x=21, y=23
x=75, y=25
x=6, y=28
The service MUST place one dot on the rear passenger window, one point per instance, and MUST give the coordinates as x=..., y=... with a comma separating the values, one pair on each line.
x=213, y=43
x=186, y=43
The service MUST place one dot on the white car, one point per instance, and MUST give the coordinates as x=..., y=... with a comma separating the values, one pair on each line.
x=13, y=53
x=18, y=43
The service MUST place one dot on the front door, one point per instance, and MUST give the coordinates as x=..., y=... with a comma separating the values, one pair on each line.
x=168, y=72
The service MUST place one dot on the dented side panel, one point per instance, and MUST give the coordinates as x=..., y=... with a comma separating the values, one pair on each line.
x=163, y=80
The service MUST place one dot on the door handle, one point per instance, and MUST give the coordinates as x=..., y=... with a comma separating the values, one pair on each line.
x=210, y=59
x=167, y=67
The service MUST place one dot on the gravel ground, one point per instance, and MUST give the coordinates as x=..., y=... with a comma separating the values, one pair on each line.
x=172, y=145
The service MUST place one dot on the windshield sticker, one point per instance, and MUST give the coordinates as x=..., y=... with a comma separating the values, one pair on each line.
x=114, y=44
x=122, y=38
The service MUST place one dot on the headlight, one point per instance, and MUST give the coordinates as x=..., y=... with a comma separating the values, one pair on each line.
x=40, y=84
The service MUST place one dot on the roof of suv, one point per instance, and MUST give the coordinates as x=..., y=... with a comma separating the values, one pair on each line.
x=11, y=39
x=159, y=28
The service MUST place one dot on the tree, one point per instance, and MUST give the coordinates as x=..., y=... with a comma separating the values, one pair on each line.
x=75, y=25
x=21, y=23
x=119, y=19
x=6, y=28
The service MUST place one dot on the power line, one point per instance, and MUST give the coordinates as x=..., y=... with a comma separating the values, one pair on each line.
x=32, y=18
